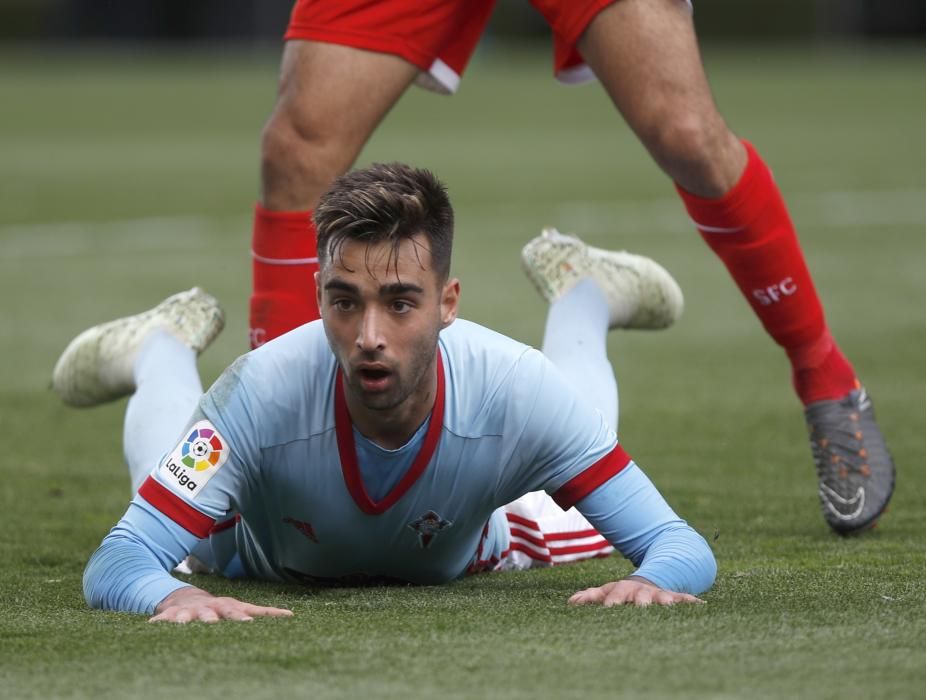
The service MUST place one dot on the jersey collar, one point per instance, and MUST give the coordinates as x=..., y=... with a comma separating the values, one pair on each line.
x=347, y=449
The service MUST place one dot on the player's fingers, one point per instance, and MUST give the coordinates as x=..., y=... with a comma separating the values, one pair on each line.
x=576, y=598
x=171, y=615
x=615, y=591
x=688, y=598
x=642, y=597
x=209, y=616
x=230, y=609
x=588, y=596
x=182, y=616
x=665, y=598
x=618, y=596
x=266, y=611
x=671, y=598
x=238, y=616
x=168, y=615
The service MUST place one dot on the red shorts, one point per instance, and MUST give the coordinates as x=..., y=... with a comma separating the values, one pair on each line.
x=438, y=36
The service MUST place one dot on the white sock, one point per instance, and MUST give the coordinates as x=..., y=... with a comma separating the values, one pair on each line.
x=168, y=390
x=575, y=340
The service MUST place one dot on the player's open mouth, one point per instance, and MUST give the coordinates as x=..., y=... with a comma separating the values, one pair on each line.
x=374, y=378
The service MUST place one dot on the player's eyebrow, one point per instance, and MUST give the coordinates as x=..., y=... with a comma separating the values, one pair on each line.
x=341, y=285
x=386, y=290
x=399, y=288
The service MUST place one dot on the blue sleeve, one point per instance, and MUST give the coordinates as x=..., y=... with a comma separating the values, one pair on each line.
x=635, y=518
x=551, y=435
x=130, y=570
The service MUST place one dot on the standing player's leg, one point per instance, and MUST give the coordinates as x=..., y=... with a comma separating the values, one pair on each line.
x=646, y=55
x=331, y=98
x=344, y=66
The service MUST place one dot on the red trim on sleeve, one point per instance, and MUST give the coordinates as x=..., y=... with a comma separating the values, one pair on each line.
x=175, y=508
x=583, y=484
x=225, y=525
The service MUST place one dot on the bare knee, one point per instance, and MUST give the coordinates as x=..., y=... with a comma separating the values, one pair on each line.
x=299, y=161
x=697, y=151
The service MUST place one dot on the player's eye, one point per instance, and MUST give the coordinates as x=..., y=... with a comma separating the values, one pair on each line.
x=343, y=304
x=401, y=306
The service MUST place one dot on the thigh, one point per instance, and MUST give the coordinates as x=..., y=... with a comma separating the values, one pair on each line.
x=436, y=36
x=568, y=20
x=645, y=53
x=338, y=94
x=331, y=99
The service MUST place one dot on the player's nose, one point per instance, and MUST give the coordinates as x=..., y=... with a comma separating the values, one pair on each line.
x=370, y=335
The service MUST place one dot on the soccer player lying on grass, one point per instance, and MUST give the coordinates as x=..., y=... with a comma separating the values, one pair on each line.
x=390, y=439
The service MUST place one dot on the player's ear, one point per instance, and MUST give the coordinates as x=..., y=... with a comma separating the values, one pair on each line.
x=449, y=301
x=318, y=290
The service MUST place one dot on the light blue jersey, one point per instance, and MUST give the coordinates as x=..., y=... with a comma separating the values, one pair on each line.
x=272, y=469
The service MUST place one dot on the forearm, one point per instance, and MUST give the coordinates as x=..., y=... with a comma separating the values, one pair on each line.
x=679, y=560
x=130, y=570
x=123, y=576
x=635, y=518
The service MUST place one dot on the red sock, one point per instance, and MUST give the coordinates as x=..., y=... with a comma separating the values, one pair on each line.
x=750, y=230
x=285, y=260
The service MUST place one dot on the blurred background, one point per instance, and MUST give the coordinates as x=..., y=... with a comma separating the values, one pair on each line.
x=262, y=20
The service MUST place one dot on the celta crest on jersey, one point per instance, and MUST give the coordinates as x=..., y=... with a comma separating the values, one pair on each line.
x=194, y=461
x=428, y=526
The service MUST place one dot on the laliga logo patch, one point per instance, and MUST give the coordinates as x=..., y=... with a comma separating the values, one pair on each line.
x=195, y=460
x=203, y=449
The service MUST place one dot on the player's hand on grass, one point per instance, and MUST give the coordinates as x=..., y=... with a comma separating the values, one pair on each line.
x=196, y=605
x=632, y=590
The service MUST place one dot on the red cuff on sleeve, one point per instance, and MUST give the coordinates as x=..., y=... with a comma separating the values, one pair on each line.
x=580, y=486
x=175, y=508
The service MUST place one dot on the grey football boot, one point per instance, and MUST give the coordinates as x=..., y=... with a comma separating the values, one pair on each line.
x=97, y=366
x=854, y=468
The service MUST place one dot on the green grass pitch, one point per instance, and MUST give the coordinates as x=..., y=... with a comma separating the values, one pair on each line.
x=126, y=178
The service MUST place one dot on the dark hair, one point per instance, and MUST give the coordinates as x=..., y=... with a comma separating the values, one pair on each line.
x=387, y=202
